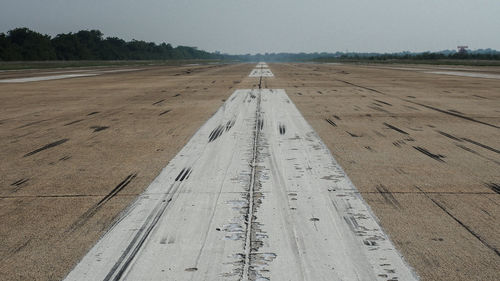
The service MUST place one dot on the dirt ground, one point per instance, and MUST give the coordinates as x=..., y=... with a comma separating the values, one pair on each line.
x=422, y=149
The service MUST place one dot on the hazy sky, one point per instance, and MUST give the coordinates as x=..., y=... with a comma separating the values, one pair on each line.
x=252, y=26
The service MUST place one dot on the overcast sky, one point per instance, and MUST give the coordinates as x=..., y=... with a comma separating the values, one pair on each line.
x=252, y=26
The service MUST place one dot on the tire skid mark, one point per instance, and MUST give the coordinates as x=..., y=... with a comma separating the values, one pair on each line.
x=230, y=124
x=478, y=96
x=93, y=210
x=455, y=111
x=331, y=122
x=388, y=197
x=453, y=114
x=481, y=145
x=398, y=143
x=472, y=232
x=428, y=153
x=74, y=122
x=386, y=103
x=158, y=102
x=32, y=123
x=353, y=135
x=20, y=247
x=217, y=132
x=362, y=87
x=117, y=189
x=184, y=174
x=47, y=146
x=164, y=112
x=99, y=128
x=379, y=109
x=395, y=128
x=476, y=153
x=411, y=107
x=493, y=186
x=449, y=136
x=19, y=182
x=282, y=129
x=67, y=157
x=123, y=263
x=466, y=149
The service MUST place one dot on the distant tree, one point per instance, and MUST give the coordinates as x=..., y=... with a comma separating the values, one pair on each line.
x=24, y=44
x=113, y=48
x=67, y=47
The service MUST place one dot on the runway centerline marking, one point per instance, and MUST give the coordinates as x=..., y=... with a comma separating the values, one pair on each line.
x=261, y=70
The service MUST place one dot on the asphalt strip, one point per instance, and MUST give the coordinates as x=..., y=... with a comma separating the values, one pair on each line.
x=254, y=195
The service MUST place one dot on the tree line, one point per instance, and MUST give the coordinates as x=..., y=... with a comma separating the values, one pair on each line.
x=23, y=44
x=481, y=54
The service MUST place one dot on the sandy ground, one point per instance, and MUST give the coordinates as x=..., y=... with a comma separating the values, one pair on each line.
x=422, y=148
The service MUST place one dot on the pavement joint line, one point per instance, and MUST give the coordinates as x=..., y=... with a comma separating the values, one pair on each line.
x=251, y=210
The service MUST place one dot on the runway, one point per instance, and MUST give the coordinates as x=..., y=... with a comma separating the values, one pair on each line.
x=79, y=155
x=254, y=195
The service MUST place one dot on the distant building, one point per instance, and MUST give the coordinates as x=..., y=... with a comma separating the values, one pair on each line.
x=462, y=49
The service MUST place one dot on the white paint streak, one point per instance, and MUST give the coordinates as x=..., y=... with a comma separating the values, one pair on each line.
x=310, y=223
x=44, y=78
x=95, y=72
x=261, y=65
x=466, y=74
x=261, y=72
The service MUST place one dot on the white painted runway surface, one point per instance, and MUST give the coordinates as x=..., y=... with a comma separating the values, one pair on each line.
x=44, y=78
x=254, y=195
x=467, y=74
x=65, y=76
x=261, y=72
